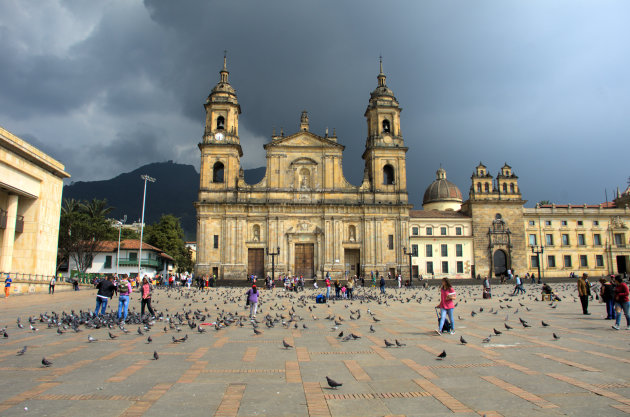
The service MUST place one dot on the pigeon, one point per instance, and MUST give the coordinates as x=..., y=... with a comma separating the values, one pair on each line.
x=112, y=336
x=46, y=362
x=555, y=336
x=91, y=339
x=332, y=383
x=442, y=355
x=462, y=340
x=507, y=327
x=525, y=324
x=22, y=351
x=257, y=332
x=388, y=344
x=6, y=335
x=285, y=344
x=372, y=329
x=399, y=344
x=140, y=331
x=155, y=355
x=497, y=332
x=340, y=334
x=544, y=324
x=149, y=339
x=487, y=339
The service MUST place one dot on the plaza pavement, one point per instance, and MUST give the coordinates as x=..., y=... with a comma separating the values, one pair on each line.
x=232, y=372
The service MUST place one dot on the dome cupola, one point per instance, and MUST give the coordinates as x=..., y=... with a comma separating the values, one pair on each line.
x=442, y=194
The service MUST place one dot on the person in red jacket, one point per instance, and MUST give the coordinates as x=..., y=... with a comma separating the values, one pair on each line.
x=621, y=302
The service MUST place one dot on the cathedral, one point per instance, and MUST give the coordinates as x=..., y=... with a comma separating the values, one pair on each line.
x=303, y=218
x=303, y=210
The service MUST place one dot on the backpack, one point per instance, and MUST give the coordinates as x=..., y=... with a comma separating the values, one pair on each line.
x=123, y=287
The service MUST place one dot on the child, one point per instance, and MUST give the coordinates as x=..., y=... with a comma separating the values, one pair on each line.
x=343, y=292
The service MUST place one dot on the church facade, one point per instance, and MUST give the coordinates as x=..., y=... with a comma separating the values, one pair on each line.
x=303, y=210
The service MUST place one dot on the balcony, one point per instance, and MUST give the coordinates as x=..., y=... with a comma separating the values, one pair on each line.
x=134, y=262
x=19, y=224
x=3, y=219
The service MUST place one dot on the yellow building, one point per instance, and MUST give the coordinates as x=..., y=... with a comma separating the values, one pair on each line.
x=303, y=208
x=30, y=204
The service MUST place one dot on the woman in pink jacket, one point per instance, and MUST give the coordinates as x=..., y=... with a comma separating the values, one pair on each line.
x=447, y=304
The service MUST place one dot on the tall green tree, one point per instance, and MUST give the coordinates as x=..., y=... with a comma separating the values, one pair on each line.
x=168, y=235
x=82, y=230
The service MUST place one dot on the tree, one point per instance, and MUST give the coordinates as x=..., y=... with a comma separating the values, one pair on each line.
x=544, y=202
x=168, y=235
x=82, y=230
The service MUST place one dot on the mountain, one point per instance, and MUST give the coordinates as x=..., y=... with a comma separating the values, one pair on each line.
x=173, y=192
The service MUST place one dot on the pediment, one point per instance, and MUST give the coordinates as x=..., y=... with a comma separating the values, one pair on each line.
x=304, y=139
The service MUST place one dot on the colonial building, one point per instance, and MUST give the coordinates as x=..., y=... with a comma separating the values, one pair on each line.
x=30, y=204
x=303, y=209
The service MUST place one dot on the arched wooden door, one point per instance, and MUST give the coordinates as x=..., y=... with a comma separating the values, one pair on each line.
x=500, y=262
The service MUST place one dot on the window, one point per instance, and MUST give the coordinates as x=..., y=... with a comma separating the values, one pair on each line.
x=220, y=123
x=534, y=261
x=478, y=187
x=567, y=261
x=583, y=261
x=458, y=231
x=388, y=175
x=108, y=261
x=565, y=239
x=597, y=239
x=444, y=250
x=459, y=250
x=429, y=267
x=414, y=271
x=386, y=126
x=580, y=223
x=414, y=250
x=549, y=239
x=429, y=231
x=581, y=240
x=429, y=251
x=414, y=231
x=551, y=261
x=460, y=267
x=443, y=231
x=599, y=260
x=390, y=242
x=505, y=188
x=547, y=222
x=563, y=223
x=532, y=240
x=532, y=223
x=217, y=172
x=512, y=188
x=216, y=242
x=486, y=187
x=444, y=267
x=595, y=222
x=619, y=239
x=133, y=256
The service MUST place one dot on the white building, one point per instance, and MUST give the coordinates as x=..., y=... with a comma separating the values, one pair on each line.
x=154, y=260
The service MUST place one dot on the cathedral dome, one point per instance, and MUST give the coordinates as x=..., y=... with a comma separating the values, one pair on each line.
x=442, y=194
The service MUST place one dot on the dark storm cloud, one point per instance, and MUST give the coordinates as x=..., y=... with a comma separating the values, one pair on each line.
x=541, y=85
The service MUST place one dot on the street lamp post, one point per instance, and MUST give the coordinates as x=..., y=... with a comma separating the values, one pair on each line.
x=144, y=196
x=410, y=255
x=273, y=261
x=538, y=250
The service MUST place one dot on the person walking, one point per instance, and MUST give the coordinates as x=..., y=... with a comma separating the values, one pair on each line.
x=252, y=301
x=145, y=300
x=124, y=290
x=7, y=286
x=51, y=285
x=447, y=305
x=487, y=292
x=382, y=284
x=607, y=294
x=327, y=287
x=105, y=292
x=350, y=286
x=621, y=302
x=584, y=291
x=399, y=278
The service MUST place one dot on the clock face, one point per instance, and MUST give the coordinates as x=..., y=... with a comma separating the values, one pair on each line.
x=219, y=136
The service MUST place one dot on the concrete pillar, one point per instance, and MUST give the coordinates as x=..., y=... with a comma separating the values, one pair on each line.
x=8, y=236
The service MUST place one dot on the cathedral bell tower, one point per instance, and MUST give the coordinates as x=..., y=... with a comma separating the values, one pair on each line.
x=384, y=155
x=221, y=148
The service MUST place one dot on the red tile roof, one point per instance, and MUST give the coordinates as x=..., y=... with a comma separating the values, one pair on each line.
x=130, y=244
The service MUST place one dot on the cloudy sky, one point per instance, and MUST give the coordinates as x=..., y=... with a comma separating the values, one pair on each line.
x=544, y=85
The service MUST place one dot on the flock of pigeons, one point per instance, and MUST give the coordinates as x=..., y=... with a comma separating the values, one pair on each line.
x=217, y=309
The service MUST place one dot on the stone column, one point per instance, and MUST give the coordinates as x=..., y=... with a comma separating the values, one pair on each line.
x=8, y=236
